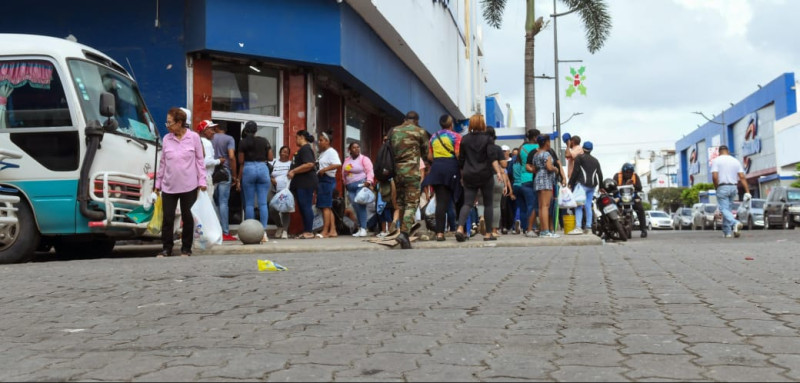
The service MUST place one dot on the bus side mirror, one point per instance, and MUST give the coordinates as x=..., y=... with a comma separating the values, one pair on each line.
x=107, y=103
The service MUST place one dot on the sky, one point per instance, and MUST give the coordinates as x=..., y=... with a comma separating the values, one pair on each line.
x=663, y=60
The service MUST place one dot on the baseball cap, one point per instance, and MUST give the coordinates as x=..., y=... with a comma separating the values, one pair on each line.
x=188, y=116
x=588, y=145
x=505, y=148
x=565, y=137
x=204, y=124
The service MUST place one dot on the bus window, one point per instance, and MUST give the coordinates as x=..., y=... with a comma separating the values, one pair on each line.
x=31, y=95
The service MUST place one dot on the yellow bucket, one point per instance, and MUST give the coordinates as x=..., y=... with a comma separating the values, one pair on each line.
x=569, y=223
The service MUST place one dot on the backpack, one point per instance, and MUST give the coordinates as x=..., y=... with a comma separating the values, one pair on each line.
x=383, y=166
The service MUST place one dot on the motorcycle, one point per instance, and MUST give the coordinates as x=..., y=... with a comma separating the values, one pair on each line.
x=626, y=196
x=608, y=225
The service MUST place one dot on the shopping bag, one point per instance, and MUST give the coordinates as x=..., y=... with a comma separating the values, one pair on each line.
x=207, y=230
x=154, y=227
x=365, y=196
x=579, y=195
x=565, y=198
x=140, y=214
x=430, y=209
x=283, y=201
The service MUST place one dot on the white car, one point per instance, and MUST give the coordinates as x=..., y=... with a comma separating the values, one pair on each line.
x=658, y=220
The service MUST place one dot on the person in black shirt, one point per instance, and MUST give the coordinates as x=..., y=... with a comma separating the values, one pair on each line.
x=586, y=174
x=253, y=178
x=304, y=180
x=478, y=160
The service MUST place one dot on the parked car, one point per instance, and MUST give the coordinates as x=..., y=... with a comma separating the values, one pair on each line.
x=657, y=219
x=783, y=208
x=682, y=218
x=703, y=215
x=718, y=215
x=751, y=213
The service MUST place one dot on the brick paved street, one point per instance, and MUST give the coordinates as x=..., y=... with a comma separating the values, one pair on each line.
x=677, y=306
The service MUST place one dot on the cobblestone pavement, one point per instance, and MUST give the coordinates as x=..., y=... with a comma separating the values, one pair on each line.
x=681, y=306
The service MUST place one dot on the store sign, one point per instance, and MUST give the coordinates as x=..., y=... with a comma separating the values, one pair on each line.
x=694, y=165
x=713, y=153
x=752, y=143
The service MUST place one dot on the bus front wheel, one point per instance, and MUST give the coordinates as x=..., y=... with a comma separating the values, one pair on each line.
x=18, y=241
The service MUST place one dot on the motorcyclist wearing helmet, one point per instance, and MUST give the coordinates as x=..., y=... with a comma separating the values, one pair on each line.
x=627, y=176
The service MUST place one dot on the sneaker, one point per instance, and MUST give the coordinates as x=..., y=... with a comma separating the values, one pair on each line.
x=278, y=232
x=576, y=231
x=517, y=227
x=727, y=236
x=548, y=234
x=382, y=234
x=227, y=237
x=284, y=235
x=361, y=233
x=737, y=229
x=531, y=234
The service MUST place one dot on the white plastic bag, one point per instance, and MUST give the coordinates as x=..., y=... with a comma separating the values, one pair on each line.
x=579, y=194
x=565, y=199
x=430, y=209
x=365, y=196
x=207, y=230
x=283, y=201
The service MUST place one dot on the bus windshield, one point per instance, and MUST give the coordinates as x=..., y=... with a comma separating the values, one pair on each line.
x=131, y=114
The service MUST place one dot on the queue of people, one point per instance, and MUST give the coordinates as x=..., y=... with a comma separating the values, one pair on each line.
x=514, y=189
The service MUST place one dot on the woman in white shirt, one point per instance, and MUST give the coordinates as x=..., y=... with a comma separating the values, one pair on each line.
x=206, y=131
x=280, y=167
x=328, y=162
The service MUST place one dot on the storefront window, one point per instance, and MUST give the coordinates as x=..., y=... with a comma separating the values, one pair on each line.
x=355, y=123
x=245, y=89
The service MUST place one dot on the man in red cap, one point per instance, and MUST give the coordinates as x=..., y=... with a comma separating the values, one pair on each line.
x=206, y=131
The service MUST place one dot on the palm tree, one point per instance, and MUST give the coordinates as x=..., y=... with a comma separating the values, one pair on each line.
x=595, y=18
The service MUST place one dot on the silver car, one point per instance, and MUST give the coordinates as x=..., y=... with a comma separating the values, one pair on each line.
x=682, y=218
x=751, y=214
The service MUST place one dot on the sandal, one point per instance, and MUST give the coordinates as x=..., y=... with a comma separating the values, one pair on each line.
x=490, y=238
x=460, y=237
x=304, y=236
x=163, y=254
x=440, y=238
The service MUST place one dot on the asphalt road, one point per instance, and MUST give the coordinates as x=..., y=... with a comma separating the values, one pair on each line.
x=675, y=306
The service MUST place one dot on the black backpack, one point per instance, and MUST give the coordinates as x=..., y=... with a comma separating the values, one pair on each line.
x=384, y=161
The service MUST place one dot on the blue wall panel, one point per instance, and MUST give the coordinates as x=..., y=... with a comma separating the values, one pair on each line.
x=302, y=31
x=124, y=30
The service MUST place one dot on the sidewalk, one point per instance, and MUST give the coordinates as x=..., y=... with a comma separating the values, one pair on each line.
x=349, y=243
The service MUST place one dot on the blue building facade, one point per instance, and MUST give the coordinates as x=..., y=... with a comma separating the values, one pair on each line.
x=747, y=128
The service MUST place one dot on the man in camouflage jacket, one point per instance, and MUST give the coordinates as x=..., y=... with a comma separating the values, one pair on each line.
x=409, y=143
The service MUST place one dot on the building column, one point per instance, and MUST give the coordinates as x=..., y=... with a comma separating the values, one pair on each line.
x=294, y=107
x=201, y=90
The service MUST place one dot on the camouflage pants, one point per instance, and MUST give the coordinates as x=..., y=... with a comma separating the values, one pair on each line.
x=407, y=199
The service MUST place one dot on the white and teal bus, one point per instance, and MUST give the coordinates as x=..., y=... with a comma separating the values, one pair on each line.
x=77, y=149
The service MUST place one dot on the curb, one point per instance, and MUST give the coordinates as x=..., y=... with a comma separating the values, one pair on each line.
x=276, y=246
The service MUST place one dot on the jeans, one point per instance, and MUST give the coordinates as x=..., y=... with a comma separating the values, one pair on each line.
x=256, y=183
x=222, y=193
x=725, y=196
x=303, y=198
x=361, y=210
x=527, y=201
x=587, y=207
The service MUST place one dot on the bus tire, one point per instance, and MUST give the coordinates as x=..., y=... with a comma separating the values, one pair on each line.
x=25, y=235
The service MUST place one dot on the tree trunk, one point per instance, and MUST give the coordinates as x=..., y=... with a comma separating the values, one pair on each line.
x=530, y=89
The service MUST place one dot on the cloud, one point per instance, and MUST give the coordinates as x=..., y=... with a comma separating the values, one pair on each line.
x=663, y=60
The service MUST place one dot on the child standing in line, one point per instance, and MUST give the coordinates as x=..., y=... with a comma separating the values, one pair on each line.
x=389, y=215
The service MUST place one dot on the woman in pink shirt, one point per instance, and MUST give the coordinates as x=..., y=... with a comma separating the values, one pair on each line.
x=357, y=173
x=180, y=173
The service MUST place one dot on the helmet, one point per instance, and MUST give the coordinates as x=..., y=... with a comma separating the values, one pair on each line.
x=609, y=185
x=628, y=167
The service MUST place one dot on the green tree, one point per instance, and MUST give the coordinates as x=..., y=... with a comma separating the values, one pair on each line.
x=595, y=18
x=668, y=198
x=797, y=183
x=691, y=195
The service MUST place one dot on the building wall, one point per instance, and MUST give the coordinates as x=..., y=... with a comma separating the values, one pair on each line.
x=772, y=102
x=127, y=32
